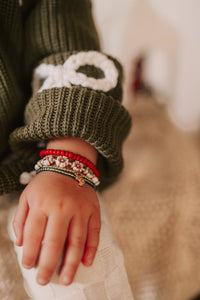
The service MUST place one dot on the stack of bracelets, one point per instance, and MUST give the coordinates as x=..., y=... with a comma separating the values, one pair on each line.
x=69, y=164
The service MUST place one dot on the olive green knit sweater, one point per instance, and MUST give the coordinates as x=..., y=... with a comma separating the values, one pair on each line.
x=76, y=89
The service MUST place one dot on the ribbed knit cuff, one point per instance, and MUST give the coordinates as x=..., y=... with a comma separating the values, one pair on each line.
x=75, y=112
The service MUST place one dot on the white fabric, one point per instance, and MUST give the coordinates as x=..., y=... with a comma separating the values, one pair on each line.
x=106, y=279
x=66, y=75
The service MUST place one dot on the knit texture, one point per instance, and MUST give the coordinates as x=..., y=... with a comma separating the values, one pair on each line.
x=11, y=95
x=56, y=27
x=10, y=173
x=95, y=117
x=75, y=104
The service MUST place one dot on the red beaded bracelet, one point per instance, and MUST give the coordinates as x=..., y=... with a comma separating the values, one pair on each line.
x=72, y=155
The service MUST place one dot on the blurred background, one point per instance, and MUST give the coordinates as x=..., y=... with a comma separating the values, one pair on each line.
x=154, y=207
x=167, y=35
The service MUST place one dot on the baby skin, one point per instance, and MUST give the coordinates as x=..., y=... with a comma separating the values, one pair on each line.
x=58, y=219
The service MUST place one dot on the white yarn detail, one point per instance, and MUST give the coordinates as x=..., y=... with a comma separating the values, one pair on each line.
x=26, y=177
x=65, y=75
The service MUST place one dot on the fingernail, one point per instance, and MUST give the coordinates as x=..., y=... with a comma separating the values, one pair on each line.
x=42, y=281
x=89, y=260
x=17, y=241
x=27, y=266
x=66, y=280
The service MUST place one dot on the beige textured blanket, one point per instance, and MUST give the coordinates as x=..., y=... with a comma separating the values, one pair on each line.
x=154, y=210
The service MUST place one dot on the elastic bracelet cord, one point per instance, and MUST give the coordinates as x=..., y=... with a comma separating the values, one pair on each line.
x=71, y=155
x=80, y=179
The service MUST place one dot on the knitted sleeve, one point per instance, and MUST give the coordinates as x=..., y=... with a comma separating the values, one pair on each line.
x=76, y=88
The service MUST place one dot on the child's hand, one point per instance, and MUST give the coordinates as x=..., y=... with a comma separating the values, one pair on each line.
x=53, y=210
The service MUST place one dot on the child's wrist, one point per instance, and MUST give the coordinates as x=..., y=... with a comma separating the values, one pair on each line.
x=74, y=145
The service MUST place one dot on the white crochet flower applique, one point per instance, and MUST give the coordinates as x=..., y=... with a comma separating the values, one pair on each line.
x=66, y=75
x=62, y=161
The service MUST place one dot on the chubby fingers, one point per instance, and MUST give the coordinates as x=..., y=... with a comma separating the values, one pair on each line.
x=74, y=250
x=52, y=248
x=94, y=226
x=33, y=234
x=20, y=219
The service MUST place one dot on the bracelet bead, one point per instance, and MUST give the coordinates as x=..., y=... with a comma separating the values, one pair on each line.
x=81, y=179
x=69, y=165
x=71, y=155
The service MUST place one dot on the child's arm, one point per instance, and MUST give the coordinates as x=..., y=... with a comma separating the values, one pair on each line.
x=55, y=209
x=76, y=93
x=76, y=89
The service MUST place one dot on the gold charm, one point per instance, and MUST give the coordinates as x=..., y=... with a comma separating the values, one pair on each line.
x=80, y=179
